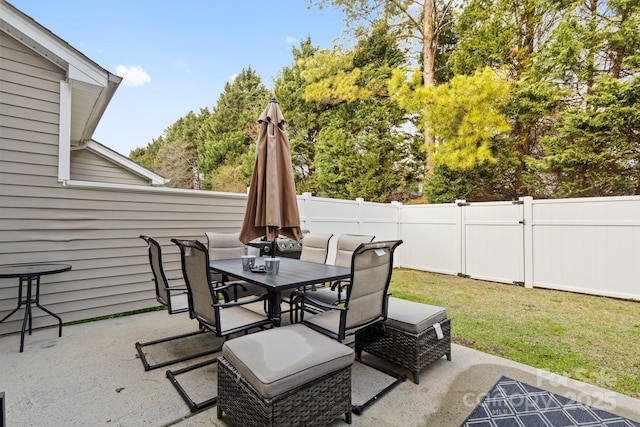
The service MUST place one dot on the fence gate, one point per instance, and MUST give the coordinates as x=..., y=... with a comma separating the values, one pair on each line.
x=493, y=241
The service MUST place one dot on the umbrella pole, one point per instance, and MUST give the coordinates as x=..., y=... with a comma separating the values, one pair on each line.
x=273, y=248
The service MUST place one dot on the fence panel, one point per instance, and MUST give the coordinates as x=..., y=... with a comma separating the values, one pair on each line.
x=493, y=247
x=587, y=245
x=323, y=215
x=431, y=235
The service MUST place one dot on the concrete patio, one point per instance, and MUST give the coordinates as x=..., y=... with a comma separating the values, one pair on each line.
x=91, y=376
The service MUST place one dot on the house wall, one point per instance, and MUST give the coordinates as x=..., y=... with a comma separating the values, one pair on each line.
x=94, y=229
x=89, y=166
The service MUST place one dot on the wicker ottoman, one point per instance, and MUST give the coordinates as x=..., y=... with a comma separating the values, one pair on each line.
x=284, y=377
x=408, y=337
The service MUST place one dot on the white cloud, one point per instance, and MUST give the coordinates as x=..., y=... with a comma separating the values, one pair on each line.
x=133, y=76
x=183, y=66
x=232, y=77
x=291, y=40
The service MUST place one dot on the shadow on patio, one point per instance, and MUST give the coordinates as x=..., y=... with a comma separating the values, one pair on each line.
x=92, y=376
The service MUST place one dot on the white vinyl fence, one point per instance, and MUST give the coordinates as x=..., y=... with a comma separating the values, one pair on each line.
x=587, y=245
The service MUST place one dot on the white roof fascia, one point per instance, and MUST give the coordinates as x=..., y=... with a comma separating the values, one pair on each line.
x=50, y=46
x=101, y=150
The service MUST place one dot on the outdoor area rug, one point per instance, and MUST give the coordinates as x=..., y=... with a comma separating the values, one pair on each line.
x=512, y=403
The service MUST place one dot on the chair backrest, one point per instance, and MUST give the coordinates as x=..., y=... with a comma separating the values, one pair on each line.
x=159, y=278
x=195, y=269
x=315, y=247
x=224, y=245
x=347, y=243
x=371, y=268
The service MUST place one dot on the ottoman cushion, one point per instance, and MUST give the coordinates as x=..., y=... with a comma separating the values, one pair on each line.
x=413, y=317
x=281, y=359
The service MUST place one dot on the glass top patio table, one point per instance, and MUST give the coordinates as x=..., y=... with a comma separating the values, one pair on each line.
x=29, y=274
x=293, y=274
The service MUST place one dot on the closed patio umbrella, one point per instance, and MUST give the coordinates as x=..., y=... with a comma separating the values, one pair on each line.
x=272, y=207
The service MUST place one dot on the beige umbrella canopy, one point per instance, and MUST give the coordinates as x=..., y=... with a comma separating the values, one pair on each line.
x=272, y=207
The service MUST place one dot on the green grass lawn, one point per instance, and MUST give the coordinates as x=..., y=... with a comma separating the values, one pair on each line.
x=589, y=338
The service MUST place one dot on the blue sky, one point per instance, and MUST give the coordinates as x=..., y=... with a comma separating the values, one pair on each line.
x=175, y=56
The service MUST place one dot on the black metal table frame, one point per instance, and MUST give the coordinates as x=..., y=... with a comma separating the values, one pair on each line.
x=293, y=274
x=31, y=273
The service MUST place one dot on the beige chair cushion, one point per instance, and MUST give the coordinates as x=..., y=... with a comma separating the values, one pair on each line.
x=315, y=247
x=347, y=243
x=413, y=317
x=224, y=245
x=326, y=295
x=237, y=317
x=281, y=359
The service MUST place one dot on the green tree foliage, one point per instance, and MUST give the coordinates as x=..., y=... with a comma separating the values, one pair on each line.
x=507, y=36
x=422, y=29
x=174, y=154
x=302, y=116
x=592, y=57
x=359, y=158
x=146, y=156
x=554, y=54
x=361, y=150
x=232, y=126
x=597, y=149
x=513, y=98
x=464, y=114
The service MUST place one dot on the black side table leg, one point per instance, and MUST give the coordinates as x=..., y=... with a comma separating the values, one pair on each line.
x=27, y=314
x=54, y=315
x=45, y=310
x=20, y=302
x=29, y=301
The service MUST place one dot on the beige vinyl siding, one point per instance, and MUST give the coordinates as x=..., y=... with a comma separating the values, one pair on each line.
x=29, y=106
x=89, y=166
x=95, y=230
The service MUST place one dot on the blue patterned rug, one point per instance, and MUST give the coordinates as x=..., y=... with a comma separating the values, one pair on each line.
x=512, y=403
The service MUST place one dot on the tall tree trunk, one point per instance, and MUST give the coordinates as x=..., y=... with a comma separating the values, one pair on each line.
x=428, y=71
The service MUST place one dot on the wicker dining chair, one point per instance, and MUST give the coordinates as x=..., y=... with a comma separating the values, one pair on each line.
x=174, y=298
x=365, y=303
x=222, y=318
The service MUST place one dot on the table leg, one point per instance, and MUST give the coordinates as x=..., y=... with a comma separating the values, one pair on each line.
x=27, y=314
x=46, y=310
x=20, y=302
x=28, y=304
x=276, y=310
x=10, y=314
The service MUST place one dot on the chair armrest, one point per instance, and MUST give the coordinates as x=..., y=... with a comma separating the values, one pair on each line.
x=343, y=314
x=300, y=298
x=243, y=302
x=340, y=284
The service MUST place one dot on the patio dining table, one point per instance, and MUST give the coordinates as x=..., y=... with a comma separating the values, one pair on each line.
x=293, y=273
